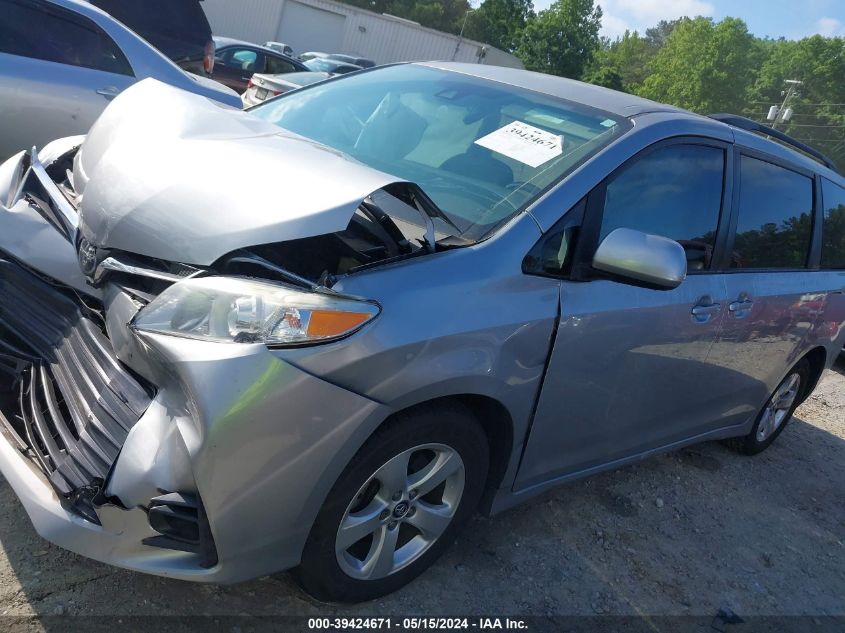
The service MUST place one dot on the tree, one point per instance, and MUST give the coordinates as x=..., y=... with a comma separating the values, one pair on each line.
x=499, y=22
x=628, y=57
x=704, y=66
x=818, y=62
x=605, y=76
x=561, y=40
x=656, y=36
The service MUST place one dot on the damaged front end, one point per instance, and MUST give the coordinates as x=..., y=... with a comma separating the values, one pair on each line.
x=65, y=398
x=142, y=309
x=115, y=419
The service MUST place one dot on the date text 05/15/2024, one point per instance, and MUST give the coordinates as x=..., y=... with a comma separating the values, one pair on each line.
x=417, y=624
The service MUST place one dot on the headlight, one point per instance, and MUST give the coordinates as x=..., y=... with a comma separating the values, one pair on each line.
x=232, y=310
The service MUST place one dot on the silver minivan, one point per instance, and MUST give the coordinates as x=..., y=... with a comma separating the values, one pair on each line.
x=320, y=334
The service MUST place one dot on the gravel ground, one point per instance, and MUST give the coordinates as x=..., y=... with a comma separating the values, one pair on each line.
x=683, y=534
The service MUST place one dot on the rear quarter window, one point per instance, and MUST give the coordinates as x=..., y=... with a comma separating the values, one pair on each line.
x=775, y=217
x=833, y=227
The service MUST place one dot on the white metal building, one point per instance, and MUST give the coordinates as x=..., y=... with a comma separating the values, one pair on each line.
x=333, y=27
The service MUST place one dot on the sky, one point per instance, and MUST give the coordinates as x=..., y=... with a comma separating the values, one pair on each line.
x=792, y=19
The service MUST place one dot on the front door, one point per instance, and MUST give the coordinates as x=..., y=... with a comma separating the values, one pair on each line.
x=629, y=370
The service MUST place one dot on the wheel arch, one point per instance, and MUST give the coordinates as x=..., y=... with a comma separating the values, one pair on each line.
x=493, y=417
x=817, y=357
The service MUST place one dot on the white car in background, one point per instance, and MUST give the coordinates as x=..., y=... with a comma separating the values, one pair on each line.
x=263, y=87
x=62, y=61
x=281, y=47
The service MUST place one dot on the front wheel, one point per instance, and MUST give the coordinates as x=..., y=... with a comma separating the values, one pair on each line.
x=776, y=413
x=397, y=506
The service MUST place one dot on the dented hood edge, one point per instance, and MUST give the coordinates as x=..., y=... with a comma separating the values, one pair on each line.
x=172, y=175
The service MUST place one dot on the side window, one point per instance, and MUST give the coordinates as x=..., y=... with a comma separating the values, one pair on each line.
x=243, y=59
x=675, y=192
x=277, y=66
x=41, y=31
x=775, y=217
x=833, y=228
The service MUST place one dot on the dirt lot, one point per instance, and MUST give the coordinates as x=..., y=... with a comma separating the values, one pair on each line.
x=686, y=533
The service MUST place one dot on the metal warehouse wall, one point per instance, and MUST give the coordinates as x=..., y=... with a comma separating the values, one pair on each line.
x=339, y=28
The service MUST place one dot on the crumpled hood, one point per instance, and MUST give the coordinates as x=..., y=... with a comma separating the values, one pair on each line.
x=172, y=175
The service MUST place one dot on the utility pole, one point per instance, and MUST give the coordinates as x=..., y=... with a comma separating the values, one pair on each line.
x=782, y=113
x=461, y=36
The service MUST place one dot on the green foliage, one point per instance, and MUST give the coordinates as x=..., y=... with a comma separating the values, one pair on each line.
x=704, y=66
x=561, y=40
x=833, y=237
x=499, y=22
x=656, y=36
x=783, y=246
x=605, y=76
x=820, y=63
x=628, y=57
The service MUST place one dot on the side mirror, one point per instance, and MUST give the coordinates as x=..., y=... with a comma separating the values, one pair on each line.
x=642, y=258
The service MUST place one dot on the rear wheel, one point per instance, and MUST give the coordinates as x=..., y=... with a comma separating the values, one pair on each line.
x=397, y=506
x=776, y=413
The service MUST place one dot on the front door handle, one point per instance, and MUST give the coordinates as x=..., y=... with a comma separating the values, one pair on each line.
x=109, y=93
x=741, y=307
x=704, y=310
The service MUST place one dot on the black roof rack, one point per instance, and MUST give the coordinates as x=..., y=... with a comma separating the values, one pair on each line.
x=752, y=126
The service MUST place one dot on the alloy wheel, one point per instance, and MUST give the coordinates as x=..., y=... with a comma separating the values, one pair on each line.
x=778, y=407
x=400, y=512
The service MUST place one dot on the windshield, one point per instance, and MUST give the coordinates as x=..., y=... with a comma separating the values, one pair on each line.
x=481, y=150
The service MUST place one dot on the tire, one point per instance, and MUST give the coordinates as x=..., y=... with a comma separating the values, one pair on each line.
x=772, y=420
x=415, y=448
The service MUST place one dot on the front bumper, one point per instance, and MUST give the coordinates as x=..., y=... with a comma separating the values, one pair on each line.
x=259, y=441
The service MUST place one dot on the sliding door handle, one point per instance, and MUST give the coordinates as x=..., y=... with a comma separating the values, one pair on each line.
x=741, y=308
x=704, y=310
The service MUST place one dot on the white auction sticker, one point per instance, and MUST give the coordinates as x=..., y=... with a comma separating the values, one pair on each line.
x=525, y=143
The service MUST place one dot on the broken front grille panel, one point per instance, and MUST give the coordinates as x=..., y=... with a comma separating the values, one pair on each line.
x=66, y=398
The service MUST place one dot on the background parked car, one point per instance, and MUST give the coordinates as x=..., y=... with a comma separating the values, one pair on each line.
x=331, y=66
x=304, y=57
x=262, y=87
x=178, y=28
x=62, y=61
x=363, y=62
x=280, y=47
x=236, y=61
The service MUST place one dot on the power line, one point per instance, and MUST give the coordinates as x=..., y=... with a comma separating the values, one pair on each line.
x=839, y=105
x=803, y=114
x=811, y=125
